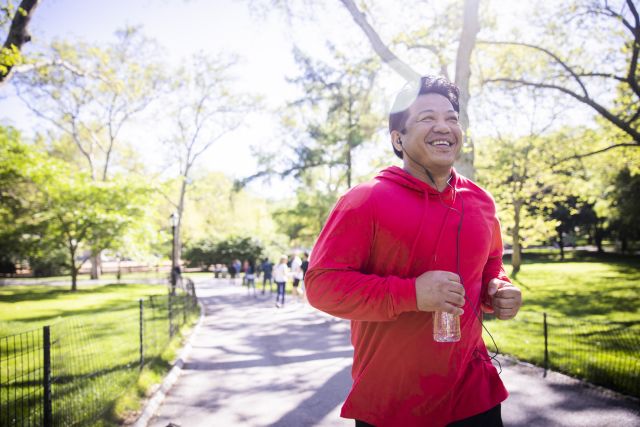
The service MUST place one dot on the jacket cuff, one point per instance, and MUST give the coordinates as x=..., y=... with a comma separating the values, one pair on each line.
x=403, y=293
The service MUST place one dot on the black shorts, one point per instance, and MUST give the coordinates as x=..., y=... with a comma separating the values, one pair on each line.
x=296, y=282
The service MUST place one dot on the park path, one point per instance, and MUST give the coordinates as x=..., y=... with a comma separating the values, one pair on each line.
x=252, y=364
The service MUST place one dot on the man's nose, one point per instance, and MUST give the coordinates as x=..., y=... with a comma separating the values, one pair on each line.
x=441, y=126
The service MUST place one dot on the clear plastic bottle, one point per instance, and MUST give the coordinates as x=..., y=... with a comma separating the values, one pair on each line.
x=446, y=327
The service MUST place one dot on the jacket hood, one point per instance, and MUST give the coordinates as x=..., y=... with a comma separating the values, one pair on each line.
x=401, y=177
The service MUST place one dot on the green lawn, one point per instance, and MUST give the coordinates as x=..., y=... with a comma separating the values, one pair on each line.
x=593, y=317
x=95, y=348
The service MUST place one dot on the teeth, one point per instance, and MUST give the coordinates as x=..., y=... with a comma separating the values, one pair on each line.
x=447, y=143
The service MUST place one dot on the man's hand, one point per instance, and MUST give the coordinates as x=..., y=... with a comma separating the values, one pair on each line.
x=439, y=291
x=505, y=299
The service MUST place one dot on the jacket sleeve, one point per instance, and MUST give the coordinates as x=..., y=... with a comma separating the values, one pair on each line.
x=337, y=282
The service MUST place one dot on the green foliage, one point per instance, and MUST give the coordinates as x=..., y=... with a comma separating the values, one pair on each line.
x=516, y=171
x=336, y=114
x=48, y=205
x=208, y=252
x=303, y=221
x=214, y=211
x=625, y=222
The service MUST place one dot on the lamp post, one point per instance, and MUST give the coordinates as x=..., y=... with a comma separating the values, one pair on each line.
x=174, y=260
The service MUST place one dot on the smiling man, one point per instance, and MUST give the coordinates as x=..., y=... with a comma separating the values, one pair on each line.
x=412, y=242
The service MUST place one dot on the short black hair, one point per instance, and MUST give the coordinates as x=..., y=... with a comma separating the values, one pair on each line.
x=411, y=91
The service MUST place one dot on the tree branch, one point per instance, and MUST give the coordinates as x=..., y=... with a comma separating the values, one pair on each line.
x=593, y=153
x=617, y=121
x=378, y=45
x=547, y=52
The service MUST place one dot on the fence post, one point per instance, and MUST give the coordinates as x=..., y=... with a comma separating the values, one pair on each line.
x=141, y=333
x=170, y=316
x=185, y=301
x=46, y=380
x=546, y=346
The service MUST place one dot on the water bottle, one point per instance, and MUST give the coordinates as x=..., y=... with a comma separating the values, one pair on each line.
x=446, y=327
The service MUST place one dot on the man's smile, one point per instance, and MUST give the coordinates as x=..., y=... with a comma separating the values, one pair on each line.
x=441, y=143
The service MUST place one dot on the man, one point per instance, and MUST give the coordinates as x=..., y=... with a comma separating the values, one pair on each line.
x=267, y=268
x=413, y=241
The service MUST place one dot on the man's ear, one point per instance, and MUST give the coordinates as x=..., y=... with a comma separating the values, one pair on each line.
x=396, y=140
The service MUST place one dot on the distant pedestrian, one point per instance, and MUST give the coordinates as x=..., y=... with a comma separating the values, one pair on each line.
x=250, y=277
x=280, y=273
x=296, y=272
x=304, y=267
x=267, y=271
x=245, y=267
x=237, y=268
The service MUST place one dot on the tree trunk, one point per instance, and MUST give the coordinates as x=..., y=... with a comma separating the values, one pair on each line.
x=516, y=256
x=96, y=265
x=598, y=238
x=74, y=269
x=18, y=33
x=468, y=35
x=561, y=244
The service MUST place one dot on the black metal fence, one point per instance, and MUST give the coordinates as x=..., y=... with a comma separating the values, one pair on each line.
x=70, y=372
x=602, y=352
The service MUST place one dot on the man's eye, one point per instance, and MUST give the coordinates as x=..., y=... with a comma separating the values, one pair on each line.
x=425, y=119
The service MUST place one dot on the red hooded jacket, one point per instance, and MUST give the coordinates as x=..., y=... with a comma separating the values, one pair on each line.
x=379, y=237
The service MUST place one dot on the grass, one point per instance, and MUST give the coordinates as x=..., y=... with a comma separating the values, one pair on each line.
x=95, y=349
x=593, y=317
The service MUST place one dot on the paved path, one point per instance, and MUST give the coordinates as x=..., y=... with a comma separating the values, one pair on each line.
x=251, y=364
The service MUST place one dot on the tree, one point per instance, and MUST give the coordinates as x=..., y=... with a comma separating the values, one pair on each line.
x=328, y=127
x=88, y=94
x=51, y=205
x=624, y=222
x=16, y=194
x=82, y=213
x=566, y=57
x=17, y=19
x=336, y=113
x=575, y=215
x=205, y=110
x=515, y=169
x=302, y=220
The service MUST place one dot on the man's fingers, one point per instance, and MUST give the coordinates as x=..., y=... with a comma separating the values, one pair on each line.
x=453, y=309
x=455, y=299
x=453, y=277
x=505, y=313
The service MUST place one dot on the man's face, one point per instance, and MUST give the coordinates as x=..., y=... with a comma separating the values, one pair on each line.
x=433, y=136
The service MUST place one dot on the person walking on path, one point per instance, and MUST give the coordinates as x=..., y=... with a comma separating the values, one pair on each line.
x=296, y=273
x=250, y=275
x=416, y=248
x=280, y=275
x=267, y=270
